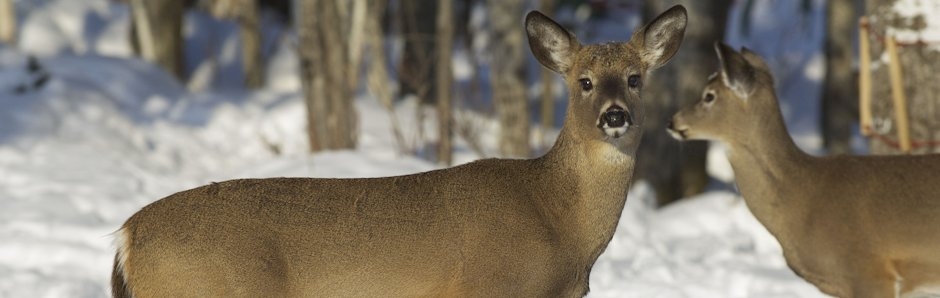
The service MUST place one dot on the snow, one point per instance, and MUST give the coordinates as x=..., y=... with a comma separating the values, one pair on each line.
x=913, y=12
x=108, y=134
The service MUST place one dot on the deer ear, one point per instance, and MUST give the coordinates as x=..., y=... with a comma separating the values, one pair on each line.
x=659, y=40
x=551, y=44
x=735, y=71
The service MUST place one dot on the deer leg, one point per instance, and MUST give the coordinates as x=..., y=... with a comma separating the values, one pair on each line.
x=916, y=278
x=872, y=283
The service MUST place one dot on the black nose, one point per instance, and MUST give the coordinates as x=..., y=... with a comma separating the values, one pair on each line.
x=670, y=125
x=616, y=117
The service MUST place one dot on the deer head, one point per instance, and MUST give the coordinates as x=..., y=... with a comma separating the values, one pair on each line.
x=605, y=79
x=734, y=102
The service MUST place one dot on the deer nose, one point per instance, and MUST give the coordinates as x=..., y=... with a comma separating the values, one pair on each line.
x=617, y=117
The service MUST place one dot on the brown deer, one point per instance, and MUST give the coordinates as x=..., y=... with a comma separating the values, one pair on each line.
x=490, y=228
x=854, y=226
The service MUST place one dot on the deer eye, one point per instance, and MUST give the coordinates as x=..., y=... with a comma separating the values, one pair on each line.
x=586, y=84
x=709, y=97
x=633, y=81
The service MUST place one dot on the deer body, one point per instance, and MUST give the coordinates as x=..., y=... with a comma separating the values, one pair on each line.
x=429, y=239
x=491, y=228
x=853, y=226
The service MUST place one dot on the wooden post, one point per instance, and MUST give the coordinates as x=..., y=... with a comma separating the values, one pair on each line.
x=864, y=78
x=7, y=22
x=897, y=94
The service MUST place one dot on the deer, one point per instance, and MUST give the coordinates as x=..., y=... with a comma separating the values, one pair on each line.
x=853, y=226
x=489, y=228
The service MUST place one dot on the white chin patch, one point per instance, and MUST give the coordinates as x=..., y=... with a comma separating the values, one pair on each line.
x=675, y=134
x=615, y=132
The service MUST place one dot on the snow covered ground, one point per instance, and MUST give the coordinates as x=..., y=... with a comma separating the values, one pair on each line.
x=106, y=134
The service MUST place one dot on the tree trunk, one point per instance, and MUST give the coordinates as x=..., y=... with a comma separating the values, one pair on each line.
x=839, y=88
x=677, y=83
x=306, y=20
x=416, y=70
x=157, y=33
x=507, y=77
x=7, y=22
x=445, y=79
x=342, y=119
x=920, y=65
x=547, y=77
x=322, y=28
x=250, y=31
x=245, y=13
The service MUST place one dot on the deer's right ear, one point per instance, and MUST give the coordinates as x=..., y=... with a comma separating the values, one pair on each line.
x=735, y=71
x=551, y=44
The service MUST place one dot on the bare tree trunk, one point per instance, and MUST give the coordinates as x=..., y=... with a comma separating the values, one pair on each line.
x=7, y=22
x=839, y=88
x=325, y=62
x=676, y=83
x=335, y=31
x=311, y=58
x=445, y=80
x=157, y=33
x=508, y=81
x=416, y=69
x=377, y=78
x=250, y=31
x=356, y=33
x=245, y=13
x=547, y=77
x=919, y=65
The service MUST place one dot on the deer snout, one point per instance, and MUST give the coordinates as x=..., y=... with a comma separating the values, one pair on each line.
x=614, y=121
x=617, y=118
x=678, y=131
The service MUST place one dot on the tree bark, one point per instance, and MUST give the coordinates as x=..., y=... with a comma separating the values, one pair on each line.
x=250, y=31
x=245, y=14
x=312, y=81
x=919, y=65
x=547, y=77
x=157, y=33
x=507, y=77
x=445, y=79
x=342, y=118
x=840, y=86
x=416, y=69
x=7, y=22
x=322, y=28
x=677, y=83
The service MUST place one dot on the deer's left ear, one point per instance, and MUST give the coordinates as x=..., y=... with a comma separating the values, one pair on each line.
x=659, y=40
x=735, y=71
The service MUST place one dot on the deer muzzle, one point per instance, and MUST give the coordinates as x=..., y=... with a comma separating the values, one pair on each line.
x=677, y=130
x=615, y=121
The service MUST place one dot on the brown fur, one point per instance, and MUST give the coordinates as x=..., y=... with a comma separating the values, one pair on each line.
x=491, y=228
x=853, y=226
x=118, y=286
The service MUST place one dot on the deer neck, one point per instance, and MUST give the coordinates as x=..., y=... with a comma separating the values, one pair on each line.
x=600, y=174
x=769, y=169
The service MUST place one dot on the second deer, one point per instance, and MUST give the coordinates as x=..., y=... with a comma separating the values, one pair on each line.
x=491, y=228
x=853, y=226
